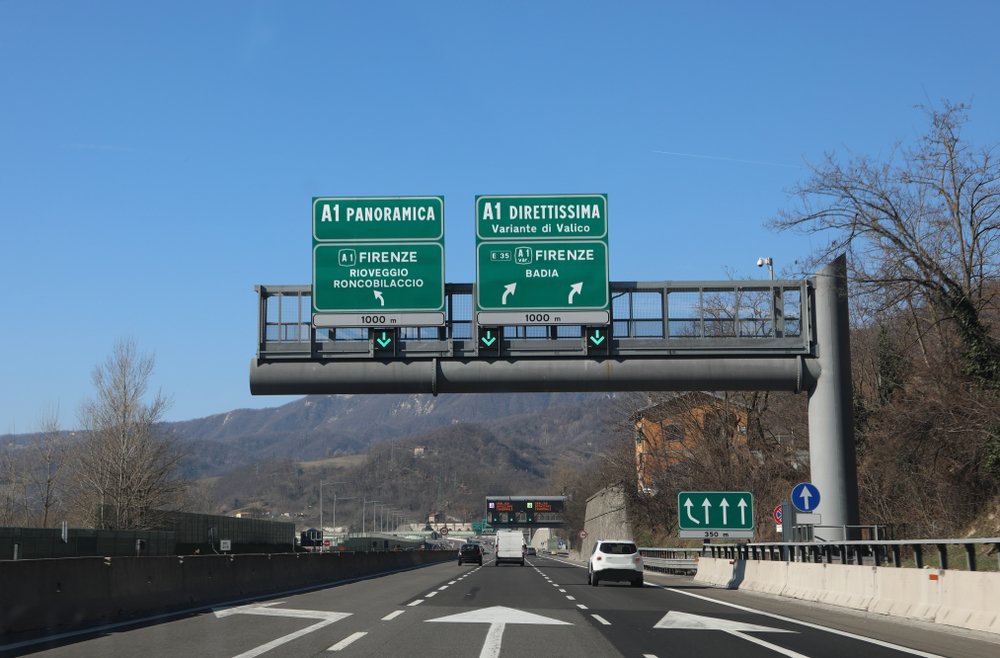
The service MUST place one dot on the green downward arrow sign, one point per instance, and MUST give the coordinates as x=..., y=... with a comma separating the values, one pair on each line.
x=597, y=338
x=384, y=340
x=489, y=339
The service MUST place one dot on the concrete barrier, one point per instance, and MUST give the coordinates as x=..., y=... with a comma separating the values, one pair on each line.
x=720, y=572
x=54, y=595
x=765, y=576
x=966, y=599
x=846, y=585
x=805, y=583
x=911, y=593
x=970, y=599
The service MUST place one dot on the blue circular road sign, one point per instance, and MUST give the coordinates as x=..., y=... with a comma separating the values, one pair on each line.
x=805, y=497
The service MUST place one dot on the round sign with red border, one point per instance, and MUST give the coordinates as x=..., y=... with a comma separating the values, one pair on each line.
x=777, y=514
x=583, y=534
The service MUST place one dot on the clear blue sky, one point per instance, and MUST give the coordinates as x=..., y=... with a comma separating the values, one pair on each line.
x=157, y=160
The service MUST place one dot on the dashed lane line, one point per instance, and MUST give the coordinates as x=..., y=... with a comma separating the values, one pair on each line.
x=347, y=641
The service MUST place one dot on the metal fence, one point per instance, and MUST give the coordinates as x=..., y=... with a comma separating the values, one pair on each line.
x=870, y=552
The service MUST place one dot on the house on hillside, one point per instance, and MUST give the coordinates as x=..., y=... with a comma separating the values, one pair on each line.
x=666, y=433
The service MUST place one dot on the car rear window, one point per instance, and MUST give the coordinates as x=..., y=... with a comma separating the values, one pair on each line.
x=618, y=548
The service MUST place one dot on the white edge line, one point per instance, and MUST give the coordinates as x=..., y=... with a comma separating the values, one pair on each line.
x=827, y=629
x=347, y=641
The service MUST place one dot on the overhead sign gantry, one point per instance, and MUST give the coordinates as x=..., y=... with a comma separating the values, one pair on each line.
x=552, y=324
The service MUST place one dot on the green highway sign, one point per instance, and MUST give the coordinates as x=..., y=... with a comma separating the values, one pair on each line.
x=371, y=219
x=715, y=514
x=542, y=217
x=542, y=259
x=378, y=278
x=542, y=275
x=378, y=261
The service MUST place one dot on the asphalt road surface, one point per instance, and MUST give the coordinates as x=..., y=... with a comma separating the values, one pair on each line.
x=545, y=609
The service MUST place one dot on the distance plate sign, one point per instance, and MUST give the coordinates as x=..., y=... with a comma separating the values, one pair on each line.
x=378, y=277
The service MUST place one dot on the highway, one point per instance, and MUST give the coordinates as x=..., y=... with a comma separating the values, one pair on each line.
x=544, y=609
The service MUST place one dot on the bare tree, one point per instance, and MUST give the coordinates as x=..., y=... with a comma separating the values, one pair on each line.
x=922, y=229
x=45, y=460
x=124, y=469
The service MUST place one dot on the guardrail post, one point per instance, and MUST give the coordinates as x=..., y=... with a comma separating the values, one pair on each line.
x=895, y=556
x=970, y=556
x=918, y=554
x=943, y=555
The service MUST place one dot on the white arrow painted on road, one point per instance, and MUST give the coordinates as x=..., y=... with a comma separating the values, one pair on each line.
x=707, y=504
x=508, y=290
x=743, y=511
x=498, y=617
x=674, y=620
x=379, y=297
x=264, y=609
x=689, y=505
x=725, y=511
x=574, y=289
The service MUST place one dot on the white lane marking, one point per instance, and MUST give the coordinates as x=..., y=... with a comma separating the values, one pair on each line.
x=265, y=609
x=683, y=620
x=827, y=629
x=452, y=582
x=413, y=603
x=442, y=588
x=343, y=644
x=498, y=617
x=562, y=591
x=571, y=598
x=601, y=619
x=582, y=607
x=772, y=647
x=393, y=615
x=648, y=655
x=430, y=595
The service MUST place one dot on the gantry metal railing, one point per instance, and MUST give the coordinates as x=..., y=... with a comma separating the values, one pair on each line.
x=647, y=319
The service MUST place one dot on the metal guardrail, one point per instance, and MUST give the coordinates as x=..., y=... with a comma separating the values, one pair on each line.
x=647, y=319
x=871, y=552
x=670, y=560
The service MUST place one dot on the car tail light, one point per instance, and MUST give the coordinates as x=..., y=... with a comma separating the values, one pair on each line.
x=637, y=559
x=599, y=558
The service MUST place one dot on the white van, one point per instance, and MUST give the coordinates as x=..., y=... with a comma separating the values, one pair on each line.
x=510, y=547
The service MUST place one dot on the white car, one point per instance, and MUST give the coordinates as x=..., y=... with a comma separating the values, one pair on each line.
x=615, y=559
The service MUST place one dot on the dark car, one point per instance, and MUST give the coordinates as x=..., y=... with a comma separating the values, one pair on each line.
x=470, y=553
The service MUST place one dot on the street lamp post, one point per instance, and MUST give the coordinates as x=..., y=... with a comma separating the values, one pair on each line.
x=321, y=529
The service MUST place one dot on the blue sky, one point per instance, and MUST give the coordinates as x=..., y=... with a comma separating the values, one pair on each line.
x=157, y=160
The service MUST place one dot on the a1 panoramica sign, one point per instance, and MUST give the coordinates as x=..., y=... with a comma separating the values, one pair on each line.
x=542, y=259
x=378, y=261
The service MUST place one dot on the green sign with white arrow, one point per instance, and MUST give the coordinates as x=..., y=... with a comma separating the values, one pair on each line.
x=715, y=514
x=542, y=259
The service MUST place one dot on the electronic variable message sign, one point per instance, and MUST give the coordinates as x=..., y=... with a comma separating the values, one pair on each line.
x=527, y=511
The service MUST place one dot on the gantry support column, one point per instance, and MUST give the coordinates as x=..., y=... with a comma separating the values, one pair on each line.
x=832, y=455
